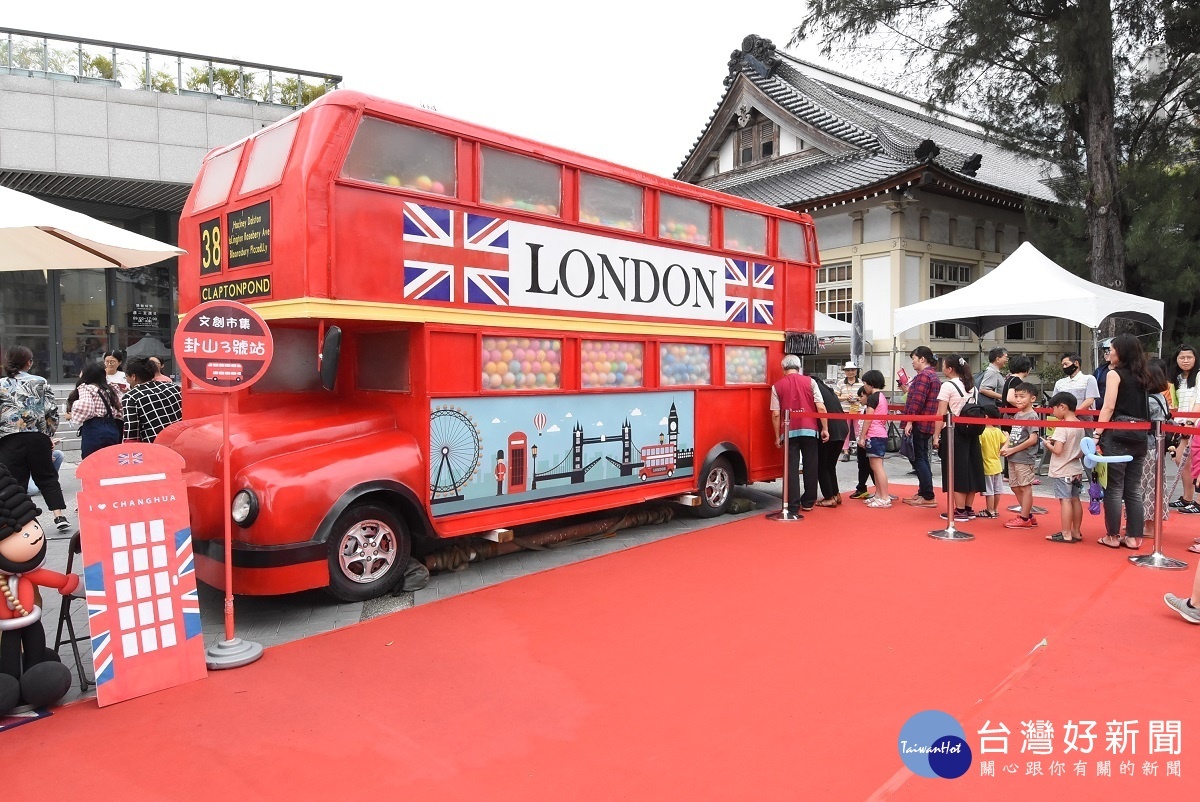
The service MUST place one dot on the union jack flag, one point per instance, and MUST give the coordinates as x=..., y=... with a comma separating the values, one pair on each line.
x=749, y=292
x=109, y=655
x=124, y=458
x=454, y=257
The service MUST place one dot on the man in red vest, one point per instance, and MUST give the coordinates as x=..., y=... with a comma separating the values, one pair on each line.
x=799, y=395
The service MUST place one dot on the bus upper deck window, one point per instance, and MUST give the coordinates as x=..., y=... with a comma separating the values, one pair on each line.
x=268, y=154
x=520, y=183
x=217, y=179
x=401, y=156
x=683, y=220
x=791, y=241
x=605, y=202
x=745, y=231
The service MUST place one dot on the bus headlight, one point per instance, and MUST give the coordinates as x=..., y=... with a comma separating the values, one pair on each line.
x=245, y=507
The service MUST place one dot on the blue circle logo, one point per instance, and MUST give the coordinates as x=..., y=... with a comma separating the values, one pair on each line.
x=933, y=744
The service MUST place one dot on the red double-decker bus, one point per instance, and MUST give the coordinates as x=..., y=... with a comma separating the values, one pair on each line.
x=472, y=331
x=658, y=460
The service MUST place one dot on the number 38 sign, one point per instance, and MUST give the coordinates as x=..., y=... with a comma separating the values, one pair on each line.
x=223, y=345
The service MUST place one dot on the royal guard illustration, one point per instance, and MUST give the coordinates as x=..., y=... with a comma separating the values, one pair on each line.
x=30, y=673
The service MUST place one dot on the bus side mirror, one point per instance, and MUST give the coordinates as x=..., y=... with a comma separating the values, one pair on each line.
x=331, y=352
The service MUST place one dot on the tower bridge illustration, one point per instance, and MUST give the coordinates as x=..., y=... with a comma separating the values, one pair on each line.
x=659, y=459
x=457, y=452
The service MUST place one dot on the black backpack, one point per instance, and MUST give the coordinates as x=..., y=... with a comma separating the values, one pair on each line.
x=971, y=409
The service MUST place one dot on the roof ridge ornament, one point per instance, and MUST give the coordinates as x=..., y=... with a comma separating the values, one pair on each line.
x=927, y=151
x=757, y=53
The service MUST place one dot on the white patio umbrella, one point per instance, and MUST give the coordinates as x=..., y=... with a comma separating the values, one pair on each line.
x=36, y=235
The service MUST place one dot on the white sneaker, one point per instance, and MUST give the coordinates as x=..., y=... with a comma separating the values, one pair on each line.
x=1181, y=606
x=879, y=503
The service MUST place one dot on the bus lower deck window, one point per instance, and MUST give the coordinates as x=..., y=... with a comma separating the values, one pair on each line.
x=521, y=363
x=610, y=364
x=681, y=363
x=745, y=364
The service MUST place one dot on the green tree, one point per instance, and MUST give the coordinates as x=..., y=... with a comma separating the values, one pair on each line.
x=99, y=67
x=160, y=81
x=292, y=92
x=222, y=81
x=32, y=55
x=1095, y=86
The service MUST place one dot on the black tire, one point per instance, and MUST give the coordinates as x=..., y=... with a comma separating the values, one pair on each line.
x=716, y=489
x=368, y=550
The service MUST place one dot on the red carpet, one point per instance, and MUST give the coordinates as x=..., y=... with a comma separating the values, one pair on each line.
x=751, y=660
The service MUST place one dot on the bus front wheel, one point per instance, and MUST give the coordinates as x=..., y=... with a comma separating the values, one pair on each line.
x=716, y=490
x=368, y=550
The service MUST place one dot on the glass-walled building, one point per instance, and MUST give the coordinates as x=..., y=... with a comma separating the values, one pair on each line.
x=118, y=132
x=69, y=316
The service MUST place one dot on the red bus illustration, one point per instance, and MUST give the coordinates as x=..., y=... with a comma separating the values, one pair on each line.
x=658, y=460
x=433, y=286
x=223, y=370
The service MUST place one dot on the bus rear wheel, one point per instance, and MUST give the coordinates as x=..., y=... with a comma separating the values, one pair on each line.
x=716, y=489
x=368, y=550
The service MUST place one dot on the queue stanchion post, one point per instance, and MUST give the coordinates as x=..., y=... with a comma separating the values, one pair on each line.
x=785, y=514
x=950, y=532
x=1156, y=559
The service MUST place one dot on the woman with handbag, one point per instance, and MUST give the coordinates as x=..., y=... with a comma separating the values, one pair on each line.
x=958, y=389
x=1126, y=400
x=97, y=413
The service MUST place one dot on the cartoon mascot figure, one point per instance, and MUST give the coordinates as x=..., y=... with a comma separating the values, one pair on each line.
x=30, y=673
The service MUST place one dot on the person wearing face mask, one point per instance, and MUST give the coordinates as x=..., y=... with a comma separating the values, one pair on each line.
x=1079, y=384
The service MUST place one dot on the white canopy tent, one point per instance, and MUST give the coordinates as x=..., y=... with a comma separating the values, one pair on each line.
x=1028, y=286
x=826, y=326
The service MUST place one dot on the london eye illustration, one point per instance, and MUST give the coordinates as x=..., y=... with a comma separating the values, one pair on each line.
x=454, y=453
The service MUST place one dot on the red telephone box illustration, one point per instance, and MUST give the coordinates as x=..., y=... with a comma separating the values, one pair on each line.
x=143, y=609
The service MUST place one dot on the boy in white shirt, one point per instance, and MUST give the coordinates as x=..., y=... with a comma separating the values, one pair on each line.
x=1066, y=469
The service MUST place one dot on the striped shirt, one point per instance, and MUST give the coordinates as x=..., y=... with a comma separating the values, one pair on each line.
x=149, y=408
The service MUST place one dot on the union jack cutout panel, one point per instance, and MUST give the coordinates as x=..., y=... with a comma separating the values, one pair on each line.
x=143, y=608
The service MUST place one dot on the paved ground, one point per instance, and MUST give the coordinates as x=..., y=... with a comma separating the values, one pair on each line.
x=271, y=621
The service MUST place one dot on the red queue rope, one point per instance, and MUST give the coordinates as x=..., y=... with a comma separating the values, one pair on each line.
x=855, y=417
x=1143, y=425
x=1085, y=413
x=1054, y=424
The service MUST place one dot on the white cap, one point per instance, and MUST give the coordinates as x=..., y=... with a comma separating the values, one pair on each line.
x=1106, y=343
x=849, y=365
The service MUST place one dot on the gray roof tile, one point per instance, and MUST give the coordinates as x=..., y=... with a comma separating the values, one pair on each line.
x=885, y=135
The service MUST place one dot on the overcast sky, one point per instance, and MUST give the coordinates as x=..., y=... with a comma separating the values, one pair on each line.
x=625, y=80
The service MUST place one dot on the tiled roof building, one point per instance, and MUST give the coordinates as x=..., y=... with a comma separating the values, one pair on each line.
x=909, y=202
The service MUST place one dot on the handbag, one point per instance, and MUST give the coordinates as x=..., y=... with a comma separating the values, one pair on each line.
x=1170, y=439
x=1127, y=436
x=907, y=449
